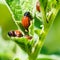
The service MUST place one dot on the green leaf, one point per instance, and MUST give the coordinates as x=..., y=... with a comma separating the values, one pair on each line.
x=51, y=4
x=43, y=7
x=44, y=4
x=15, y=8
x=37, y=23
x=37, y=31
x=19, y=7
x=28, y=5
x=6, y=21
x=24, y=43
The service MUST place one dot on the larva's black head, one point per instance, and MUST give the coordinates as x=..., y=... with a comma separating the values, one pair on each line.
x=11, y=33
x=28, y=15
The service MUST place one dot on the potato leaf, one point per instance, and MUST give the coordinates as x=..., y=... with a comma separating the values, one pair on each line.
x=6, y=21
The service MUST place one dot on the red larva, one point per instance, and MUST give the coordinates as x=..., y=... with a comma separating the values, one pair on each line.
x=18, y=33
x=38, y=6
x=28, y=37
x=26, y=20
x=15, y=33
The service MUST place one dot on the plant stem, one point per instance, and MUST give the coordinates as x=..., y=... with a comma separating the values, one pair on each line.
x=43, y=12
x=30, y=58
x=38, y=47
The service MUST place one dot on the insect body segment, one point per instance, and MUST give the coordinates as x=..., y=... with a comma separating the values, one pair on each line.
x=26, y=20
x=15, y=33
x=28, y=37
x=11, y=33
x=28, y=15
x=18, y=33
x=38, y=6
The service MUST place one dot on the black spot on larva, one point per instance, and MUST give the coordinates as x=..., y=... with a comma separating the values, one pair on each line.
x=11, y=33
x=28, y=15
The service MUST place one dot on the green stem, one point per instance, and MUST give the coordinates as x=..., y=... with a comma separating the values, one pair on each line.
x=43, y=12
x=52, y=17
x=38, y=47
x=31, y=58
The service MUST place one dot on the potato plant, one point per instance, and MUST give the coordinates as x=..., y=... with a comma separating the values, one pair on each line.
x=39, y=26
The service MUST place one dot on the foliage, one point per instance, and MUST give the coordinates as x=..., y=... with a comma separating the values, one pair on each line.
x=39, y=30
